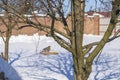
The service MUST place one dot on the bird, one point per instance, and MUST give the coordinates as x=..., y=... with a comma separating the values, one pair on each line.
x=46, y=49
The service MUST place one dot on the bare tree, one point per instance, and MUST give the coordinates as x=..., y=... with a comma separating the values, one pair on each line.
x=8, y=23
x=74, y=33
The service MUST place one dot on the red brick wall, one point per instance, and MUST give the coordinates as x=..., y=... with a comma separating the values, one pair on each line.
x=91, y=26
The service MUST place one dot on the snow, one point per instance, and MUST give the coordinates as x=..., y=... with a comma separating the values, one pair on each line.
x=29, y=64
x=8, y=70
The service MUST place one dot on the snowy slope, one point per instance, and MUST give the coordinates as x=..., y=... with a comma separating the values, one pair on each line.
x=26, y=59
x=8, y=70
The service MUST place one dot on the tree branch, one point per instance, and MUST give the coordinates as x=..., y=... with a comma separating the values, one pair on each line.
x=3, y=20
x=62, y=43
x=2, y=35
x=96, y=43
x=59, y=40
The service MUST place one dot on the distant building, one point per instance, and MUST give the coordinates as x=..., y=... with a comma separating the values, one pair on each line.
x=104, y=21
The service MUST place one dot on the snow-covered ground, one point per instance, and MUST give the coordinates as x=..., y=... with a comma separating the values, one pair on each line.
x=25, y=58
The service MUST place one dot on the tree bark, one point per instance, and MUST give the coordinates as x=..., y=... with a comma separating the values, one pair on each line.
x=7, y=45
x=77, y=38
x=81, y=73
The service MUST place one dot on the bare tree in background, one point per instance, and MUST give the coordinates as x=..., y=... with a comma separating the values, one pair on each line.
x=83, y=57
x=8, y=23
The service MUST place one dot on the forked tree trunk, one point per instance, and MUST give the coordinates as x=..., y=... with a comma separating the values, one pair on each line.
x=78, y=74
x=83, y=68
x=81, y=71
x=77, y=38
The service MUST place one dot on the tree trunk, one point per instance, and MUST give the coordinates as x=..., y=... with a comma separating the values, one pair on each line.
x=81, y=72
x=7, y=45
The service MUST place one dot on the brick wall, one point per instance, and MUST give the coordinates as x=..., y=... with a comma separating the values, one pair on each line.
x=91, y=26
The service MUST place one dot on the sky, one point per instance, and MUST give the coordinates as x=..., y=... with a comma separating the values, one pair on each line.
x=90, y=4
x=97, y=5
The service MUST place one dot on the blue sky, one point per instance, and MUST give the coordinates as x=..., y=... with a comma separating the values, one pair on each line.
x=89, y=4
x=92, y=4
x=97, y=5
